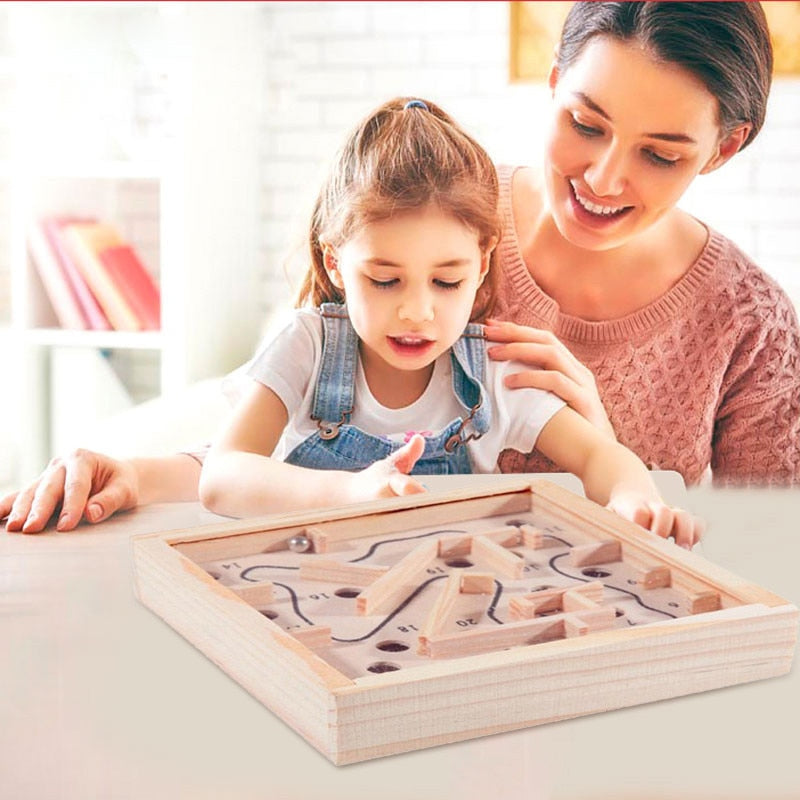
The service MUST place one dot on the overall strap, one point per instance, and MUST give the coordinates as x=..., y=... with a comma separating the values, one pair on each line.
x=333, y=394
x=468, y=356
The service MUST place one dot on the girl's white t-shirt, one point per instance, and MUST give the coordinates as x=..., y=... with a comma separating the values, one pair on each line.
x=289, y=363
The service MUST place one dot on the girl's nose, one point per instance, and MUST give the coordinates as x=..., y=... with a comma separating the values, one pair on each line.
x=605, y=176
x=416, y=307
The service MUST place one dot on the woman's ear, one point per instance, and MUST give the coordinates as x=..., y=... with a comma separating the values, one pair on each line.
x=552, y=75
x=331, y=264
x=728, y=148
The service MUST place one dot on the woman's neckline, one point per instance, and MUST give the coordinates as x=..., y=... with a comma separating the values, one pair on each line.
x=528, y=293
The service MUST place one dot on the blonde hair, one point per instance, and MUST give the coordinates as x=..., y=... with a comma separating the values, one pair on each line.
x=403, y=156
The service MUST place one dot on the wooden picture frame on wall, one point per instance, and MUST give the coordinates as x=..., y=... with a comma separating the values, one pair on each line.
x=535, y=27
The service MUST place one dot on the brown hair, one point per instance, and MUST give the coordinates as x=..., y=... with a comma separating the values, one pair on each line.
x=403, y=156
x=725, y=45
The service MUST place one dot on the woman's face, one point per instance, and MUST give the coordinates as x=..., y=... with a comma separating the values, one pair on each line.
x=629, y=135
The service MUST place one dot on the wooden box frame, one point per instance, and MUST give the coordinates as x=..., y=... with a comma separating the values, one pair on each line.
x=750, y=637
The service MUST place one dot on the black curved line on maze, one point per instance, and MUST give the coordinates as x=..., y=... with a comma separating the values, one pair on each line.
x=493, y=605
x=608, y=586
x=295, y=604
x=369, y=552
x=394, y=613
x=243, y=574
x=376, y=545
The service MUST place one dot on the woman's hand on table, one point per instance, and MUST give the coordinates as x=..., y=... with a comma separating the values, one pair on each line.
x=82, y=485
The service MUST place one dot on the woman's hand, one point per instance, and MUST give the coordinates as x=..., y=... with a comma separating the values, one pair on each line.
x=657, y=517
x=83, y=484
x=389, y=477
x=557, y=370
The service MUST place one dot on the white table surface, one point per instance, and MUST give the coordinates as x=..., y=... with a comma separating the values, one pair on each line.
x=101, y=699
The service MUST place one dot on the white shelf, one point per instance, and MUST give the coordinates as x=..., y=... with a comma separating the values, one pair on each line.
x=184, y=191
x=102, y=340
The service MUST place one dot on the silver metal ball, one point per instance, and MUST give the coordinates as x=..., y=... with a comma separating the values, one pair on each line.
x=299, y=543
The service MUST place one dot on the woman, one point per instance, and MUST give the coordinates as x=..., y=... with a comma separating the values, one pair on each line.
x=652, y=326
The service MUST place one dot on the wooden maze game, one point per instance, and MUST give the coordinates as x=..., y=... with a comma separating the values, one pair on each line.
x=407, y=623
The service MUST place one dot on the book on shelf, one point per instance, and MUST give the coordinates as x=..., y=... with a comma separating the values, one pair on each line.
x=93, y=314
x=127, y=271
x=94, y=279
x=84, y=241
x=56, y=285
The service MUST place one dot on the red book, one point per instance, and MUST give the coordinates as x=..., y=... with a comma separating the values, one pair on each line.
x=53, y=229
x=135, y=283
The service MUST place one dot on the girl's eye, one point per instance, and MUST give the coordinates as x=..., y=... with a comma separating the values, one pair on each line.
x=658, y=160
x=387, y=284
x=585, y=130
x=447, y=284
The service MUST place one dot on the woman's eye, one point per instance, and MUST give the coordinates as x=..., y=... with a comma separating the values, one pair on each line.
x=387, y=284
x=447, y=284
x=660, y=161
x=585, y=130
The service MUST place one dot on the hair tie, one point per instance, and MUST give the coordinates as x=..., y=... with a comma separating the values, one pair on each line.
x=416, y=104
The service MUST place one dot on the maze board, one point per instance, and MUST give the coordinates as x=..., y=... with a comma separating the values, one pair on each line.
x=492, y=611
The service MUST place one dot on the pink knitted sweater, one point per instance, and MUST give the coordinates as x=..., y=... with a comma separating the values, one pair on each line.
x=707, y=376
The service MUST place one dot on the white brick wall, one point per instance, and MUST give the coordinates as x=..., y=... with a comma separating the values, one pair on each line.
x=327, y=64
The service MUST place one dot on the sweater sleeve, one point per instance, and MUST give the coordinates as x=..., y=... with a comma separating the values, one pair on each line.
x=757, y=427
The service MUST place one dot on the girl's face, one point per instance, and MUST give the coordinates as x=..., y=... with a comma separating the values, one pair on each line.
x=410, y=284
x=628, y=136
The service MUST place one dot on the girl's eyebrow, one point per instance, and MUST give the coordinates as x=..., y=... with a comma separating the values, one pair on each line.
x=382, y=262
x=681, y=138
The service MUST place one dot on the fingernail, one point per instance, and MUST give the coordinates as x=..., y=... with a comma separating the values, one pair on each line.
x=62, y=521
x=94, y=512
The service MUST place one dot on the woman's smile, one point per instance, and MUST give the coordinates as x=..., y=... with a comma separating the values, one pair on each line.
x=593, y=212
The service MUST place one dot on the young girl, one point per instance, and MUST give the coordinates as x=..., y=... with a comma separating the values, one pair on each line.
x=386, y=375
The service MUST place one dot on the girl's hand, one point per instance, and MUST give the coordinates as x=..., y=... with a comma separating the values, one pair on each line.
x=658, y=518
x=557, y=370
x=389, y=477
x=84, y=484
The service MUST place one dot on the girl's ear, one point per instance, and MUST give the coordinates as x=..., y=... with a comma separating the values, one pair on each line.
x=486, y=259
x=331, y=264
x=727, y=148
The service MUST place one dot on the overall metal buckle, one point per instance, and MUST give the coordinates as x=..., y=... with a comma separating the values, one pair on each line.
x=330, y=430
x=456, y=439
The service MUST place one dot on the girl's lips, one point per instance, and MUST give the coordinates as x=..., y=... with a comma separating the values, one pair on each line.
x=591, y=219
x=409, y=345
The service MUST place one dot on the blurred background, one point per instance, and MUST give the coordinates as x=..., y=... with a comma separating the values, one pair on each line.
x=200, y=131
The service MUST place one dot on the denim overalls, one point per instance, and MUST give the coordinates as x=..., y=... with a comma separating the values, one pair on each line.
x=338, y=445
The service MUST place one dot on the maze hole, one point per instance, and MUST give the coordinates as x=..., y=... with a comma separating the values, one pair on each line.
x=618, y=612
x=542, y=587
x=593, y=572
x=269, y=613
x=392, y=646
x=383, y=666
x=215, y=575
x=516, y=522
x=459, y=562
x=347, y=591
x=548, y=613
